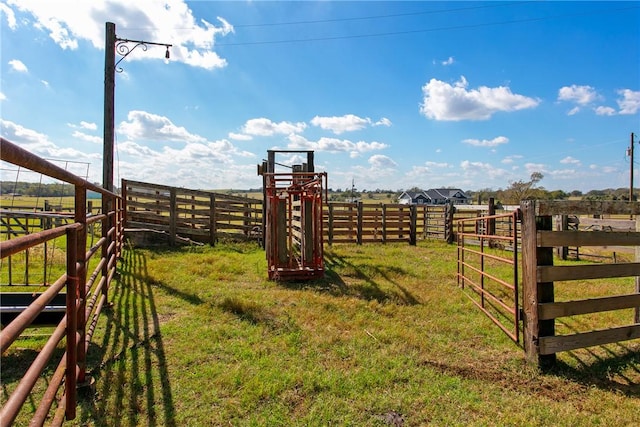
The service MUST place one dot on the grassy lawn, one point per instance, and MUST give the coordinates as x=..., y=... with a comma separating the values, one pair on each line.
x=200, y=337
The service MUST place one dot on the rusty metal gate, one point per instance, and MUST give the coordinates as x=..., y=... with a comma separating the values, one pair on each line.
x=488, y=267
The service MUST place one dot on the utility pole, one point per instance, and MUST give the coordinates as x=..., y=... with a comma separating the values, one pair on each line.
x=109, y=89
x=114, y=45
x=630, y=152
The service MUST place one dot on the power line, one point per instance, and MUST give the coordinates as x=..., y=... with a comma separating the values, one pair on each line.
x=426, y=30
x=393, y=15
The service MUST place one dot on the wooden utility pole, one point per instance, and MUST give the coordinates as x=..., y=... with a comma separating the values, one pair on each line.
x=631, y=169
x=122, y=47
x=109, y=86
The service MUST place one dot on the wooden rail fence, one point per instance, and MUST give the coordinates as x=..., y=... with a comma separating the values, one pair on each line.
x=197, y=215
x=541, y=310
x=204, y=216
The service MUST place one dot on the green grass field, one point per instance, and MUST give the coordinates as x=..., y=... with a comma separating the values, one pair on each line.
x=200, y=337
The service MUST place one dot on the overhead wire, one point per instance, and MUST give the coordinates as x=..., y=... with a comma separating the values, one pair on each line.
x=390, y=15
x=427, y=30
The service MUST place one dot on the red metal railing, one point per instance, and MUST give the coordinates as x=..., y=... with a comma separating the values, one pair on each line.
x=494, y=292
x=84, y=298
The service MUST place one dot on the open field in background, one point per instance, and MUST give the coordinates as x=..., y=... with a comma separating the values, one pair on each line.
x=198, y=336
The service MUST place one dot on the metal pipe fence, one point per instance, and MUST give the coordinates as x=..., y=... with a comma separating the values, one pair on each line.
x=84, y=298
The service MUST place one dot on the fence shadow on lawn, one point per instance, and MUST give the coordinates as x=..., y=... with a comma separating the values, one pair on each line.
x=131, y=363
x=334, y=284
x=614, y=367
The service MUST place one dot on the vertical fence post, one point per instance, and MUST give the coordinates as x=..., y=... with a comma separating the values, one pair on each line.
x=330, y=227
x=413, y=220
x=212, y=219
x=72, y=333
x=448, y=223
x=359, y=223
x=81, y=273
x=491, y=224
x=637, y=313
x=562, y=224
x=384, y=223
x=535, y=292
x=173, y=214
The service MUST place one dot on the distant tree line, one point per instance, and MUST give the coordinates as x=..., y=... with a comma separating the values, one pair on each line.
x=516, y=191
x=36, y=189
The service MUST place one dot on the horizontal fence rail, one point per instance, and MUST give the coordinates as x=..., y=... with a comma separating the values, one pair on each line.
x=86, y=293
x=541, y=276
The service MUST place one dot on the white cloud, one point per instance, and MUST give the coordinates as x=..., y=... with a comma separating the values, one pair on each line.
x=170, y=21
x=570, y=161
x=88, y=138
x=18, y=66
x=535, y=167
x=449, y=61
x=487, y=142
x=265, y=127
x=437, y=165
x=605, y=111
x=582, y=95
x=151, y=127
x=347, y=123
x=334, y=145
x=39, y=143
x=382, y=122
x=87, y=125
x=575, y=110
x=380, y=161
x=476, y=169
x=630, y=101
x=510, y=159
x=3, y=97
x=83, y=125
x=443, y=101
x=239, y=136
x=8, y=13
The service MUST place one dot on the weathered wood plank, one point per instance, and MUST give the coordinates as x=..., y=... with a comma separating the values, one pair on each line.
x=593, y=305
x=587, y=238
x=558, y=343
x=582, y=272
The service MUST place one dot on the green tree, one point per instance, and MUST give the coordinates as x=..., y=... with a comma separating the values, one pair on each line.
x=523, y=190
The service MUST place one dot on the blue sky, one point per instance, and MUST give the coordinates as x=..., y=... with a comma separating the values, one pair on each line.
x=390, y=95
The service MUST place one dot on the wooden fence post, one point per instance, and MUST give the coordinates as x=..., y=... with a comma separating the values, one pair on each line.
x=359, y=226
x=534, y=292
x=330, y=228
x=212, y=220
x=637, y=313
x=491, y=225
x=173, y=213
x=562, y=224
x=448, y=222
x=384, y=223
x=413, y=218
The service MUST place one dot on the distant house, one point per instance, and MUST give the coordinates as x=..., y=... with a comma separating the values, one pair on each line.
x=434, y=196
x=414, y=198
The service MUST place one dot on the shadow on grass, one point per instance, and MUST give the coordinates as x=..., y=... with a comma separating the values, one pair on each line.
x=131, y=368
x=616, y=370
x=334, y=284
x=614, y=367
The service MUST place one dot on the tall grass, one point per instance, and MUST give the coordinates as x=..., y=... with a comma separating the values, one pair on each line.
x=200, y=337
